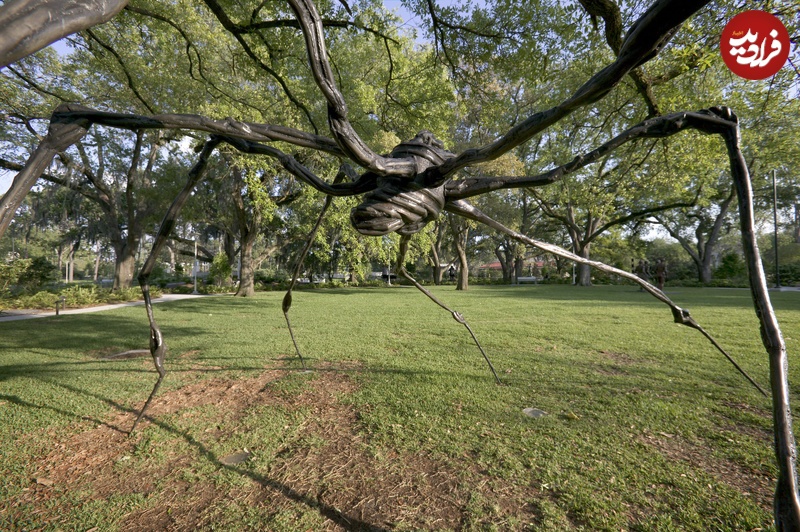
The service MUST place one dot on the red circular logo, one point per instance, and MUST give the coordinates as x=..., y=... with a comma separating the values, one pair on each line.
x=755, y=44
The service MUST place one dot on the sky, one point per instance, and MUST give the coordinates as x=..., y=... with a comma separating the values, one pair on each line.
x=6, y=177
x=412, y=21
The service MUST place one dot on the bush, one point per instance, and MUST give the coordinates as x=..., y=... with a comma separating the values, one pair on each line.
x=37, y=274
x=731, y=267
x=269, y=277
x=78, y=297
x=10, y=271
x=790, y=274
x=220, y=270
x=214, y=289
x=133, y=293
x=40, y=300
x=184, y=288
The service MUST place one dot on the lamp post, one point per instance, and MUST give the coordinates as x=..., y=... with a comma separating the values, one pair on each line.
x=775, y=225
x=195, y=266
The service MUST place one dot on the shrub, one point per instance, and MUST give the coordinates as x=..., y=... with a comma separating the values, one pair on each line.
x=79, y=296
x=40, y=272
x=220, y=270
x=731, y=267
x=10, y=271
x=790, y=274
x=127, y=294
x=269, y=277
x=214, y=289
x=39, y=300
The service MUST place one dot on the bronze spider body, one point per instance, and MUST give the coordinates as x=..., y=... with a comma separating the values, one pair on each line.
x=409, y=187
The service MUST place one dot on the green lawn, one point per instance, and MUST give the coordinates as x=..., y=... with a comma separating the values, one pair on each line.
x=401, y=425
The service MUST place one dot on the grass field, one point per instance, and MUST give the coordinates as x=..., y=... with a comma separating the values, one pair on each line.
x=400, y=426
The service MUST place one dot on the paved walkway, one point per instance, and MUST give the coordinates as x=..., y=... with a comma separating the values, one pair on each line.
x=27, y=314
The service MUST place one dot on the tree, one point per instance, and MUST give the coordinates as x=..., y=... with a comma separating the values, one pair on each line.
x=516, y=209
x=705, y=225
x=253, y=209
x=220, y=270
x=767, y=134
x=129, y=195
x=435, y=258
x=459, y=230
x=411, y=185
x=587, y=204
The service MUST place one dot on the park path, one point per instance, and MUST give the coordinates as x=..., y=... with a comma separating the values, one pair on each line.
x=27, y=314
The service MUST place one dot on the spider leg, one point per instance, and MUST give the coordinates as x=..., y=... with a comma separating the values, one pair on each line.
x=679, y=314
x=287, y=299
x=60, y=136
x=720, y=121
x=787, y=503
x=404, y=240
x=158, y=349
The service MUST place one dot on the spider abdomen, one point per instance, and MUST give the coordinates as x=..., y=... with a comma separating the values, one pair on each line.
x=404, y=205
x=399, y=206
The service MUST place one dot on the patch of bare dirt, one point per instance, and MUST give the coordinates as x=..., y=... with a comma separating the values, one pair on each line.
x=614, y=363
x=617, y=358
x=352, y=484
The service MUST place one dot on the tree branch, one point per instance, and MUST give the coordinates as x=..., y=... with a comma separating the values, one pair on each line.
x=347, y=138
x=365, y=183
x=643, y=42
x=121, y=63
x=61, y=181
x=229, y=25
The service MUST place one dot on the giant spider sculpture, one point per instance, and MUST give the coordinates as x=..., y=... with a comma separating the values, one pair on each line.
x=409, y=187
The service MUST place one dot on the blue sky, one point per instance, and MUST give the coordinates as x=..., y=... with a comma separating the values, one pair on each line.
x=6, y=177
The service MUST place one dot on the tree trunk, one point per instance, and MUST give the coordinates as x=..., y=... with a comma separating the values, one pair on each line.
x=97, y=263
x=124, y=270
x=584, y=270
x=506, y=265
x=71, y=267
x=704, y=269
x=436, y=265
x=247, y=283
x=71, y=260
x=460, y=232
x=229, y=245
x=519, y=266
x=125, y=263
x=59, y=261
x=436, y=253
x=172, y=258
x=463, y=273
x=463, y=269
x=796, y=228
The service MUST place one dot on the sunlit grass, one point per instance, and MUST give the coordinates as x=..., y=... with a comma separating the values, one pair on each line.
x=639, y=410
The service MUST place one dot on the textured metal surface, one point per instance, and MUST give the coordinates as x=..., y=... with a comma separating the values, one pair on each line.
x=409, y=187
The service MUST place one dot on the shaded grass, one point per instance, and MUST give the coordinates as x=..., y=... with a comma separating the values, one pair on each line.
x=648, y=428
